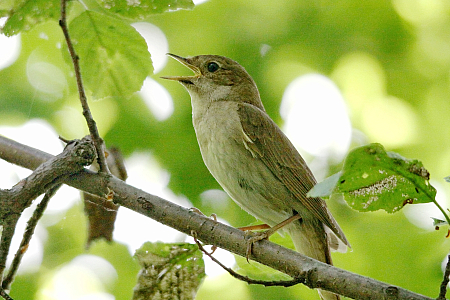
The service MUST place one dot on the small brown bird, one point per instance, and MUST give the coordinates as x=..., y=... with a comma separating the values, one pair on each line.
x=252, y=159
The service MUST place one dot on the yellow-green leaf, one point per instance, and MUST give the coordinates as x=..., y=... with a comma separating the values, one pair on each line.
x=142, y=9
x=114, y=57
x=24, y=14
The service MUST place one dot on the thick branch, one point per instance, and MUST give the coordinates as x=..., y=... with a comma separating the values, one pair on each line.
x=316, y=274
x=46, y=175
x=75, y=156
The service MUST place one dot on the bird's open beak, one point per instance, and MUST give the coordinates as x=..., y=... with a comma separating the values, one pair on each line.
x=185, y=62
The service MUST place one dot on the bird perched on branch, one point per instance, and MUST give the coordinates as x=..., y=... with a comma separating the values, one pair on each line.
x=252, y=159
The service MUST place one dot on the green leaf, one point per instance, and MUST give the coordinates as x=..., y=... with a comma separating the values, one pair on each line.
x=24, y=14
x=169, y=271
x=439, y=222
x=5, y=7
x=373, y=179
x=114, y=58
x=326, y=187
x=142, y=9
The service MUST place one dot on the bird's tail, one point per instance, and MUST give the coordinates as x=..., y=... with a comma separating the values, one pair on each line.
x=310, y=239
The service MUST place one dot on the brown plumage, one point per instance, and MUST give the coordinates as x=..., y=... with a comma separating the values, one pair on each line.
x=252, y=159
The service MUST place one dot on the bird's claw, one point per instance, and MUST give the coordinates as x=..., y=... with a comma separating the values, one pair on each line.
x=255, y=238
x=198, y=211
x=266, y=234
x=213, y=217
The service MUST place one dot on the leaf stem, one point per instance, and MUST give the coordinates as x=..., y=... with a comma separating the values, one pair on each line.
x=442, y=210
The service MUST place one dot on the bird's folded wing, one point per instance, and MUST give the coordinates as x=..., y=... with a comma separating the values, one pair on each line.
x=265, y=139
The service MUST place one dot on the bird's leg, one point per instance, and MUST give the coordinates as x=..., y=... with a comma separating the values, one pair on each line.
x=254, y=227
x=266, y=234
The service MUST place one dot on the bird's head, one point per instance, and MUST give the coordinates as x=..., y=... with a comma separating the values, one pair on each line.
x=217, y=78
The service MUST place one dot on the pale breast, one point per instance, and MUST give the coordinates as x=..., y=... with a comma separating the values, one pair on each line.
x=244, y=177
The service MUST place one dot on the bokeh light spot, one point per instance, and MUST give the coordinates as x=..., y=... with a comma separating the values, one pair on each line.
x=9, y=50
x=316, y=117
x=85, y=277
x=421, y=12
x=390, y=121
x=46, y=78
x=157, y=99
x=360, y=78
x=157, y=43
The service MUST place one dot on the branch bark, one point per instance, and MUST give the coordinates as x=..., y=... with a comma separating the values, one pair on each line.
x=445, y=281
x=315, y=274
x=47, y=174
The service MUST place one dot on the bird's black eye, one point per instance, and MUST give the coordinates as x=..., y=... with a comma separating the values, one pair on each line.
x=212, y=67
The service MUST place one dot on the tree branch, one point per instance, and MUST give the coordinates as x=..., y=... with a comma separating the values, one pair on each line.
x=444, y=284
x=316, y=274
x=4, y=294
x=46, y=176
x=9, y=223
x=28, y=234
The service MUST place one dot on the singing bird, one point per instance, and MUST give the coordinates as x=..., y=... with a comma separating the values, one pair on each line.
x=252, y=159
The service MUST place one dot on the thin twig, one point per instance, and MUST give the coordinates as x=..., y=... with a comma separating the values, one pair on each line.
x=9, y=226
x=29, y=231
x=97, y=140
x=284, y=283
x=5, y=295
x=445, y=281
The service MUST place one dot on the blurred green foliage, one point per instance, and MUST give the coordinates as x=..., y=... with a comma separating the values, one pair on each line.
x=389, y=58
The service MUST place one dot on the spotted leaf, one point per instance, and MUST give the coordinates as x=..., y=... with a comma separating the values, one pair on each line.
x=374, y=179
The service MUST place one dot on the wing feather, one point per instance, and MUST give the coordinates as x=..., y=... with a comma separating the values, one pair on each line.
x=264, y=138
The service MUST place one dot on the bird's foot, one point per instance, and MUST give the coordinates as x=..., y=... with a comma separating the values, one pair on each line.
x=255, y=238
x=213, y=217
x=198, y=211
x=265, y=234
